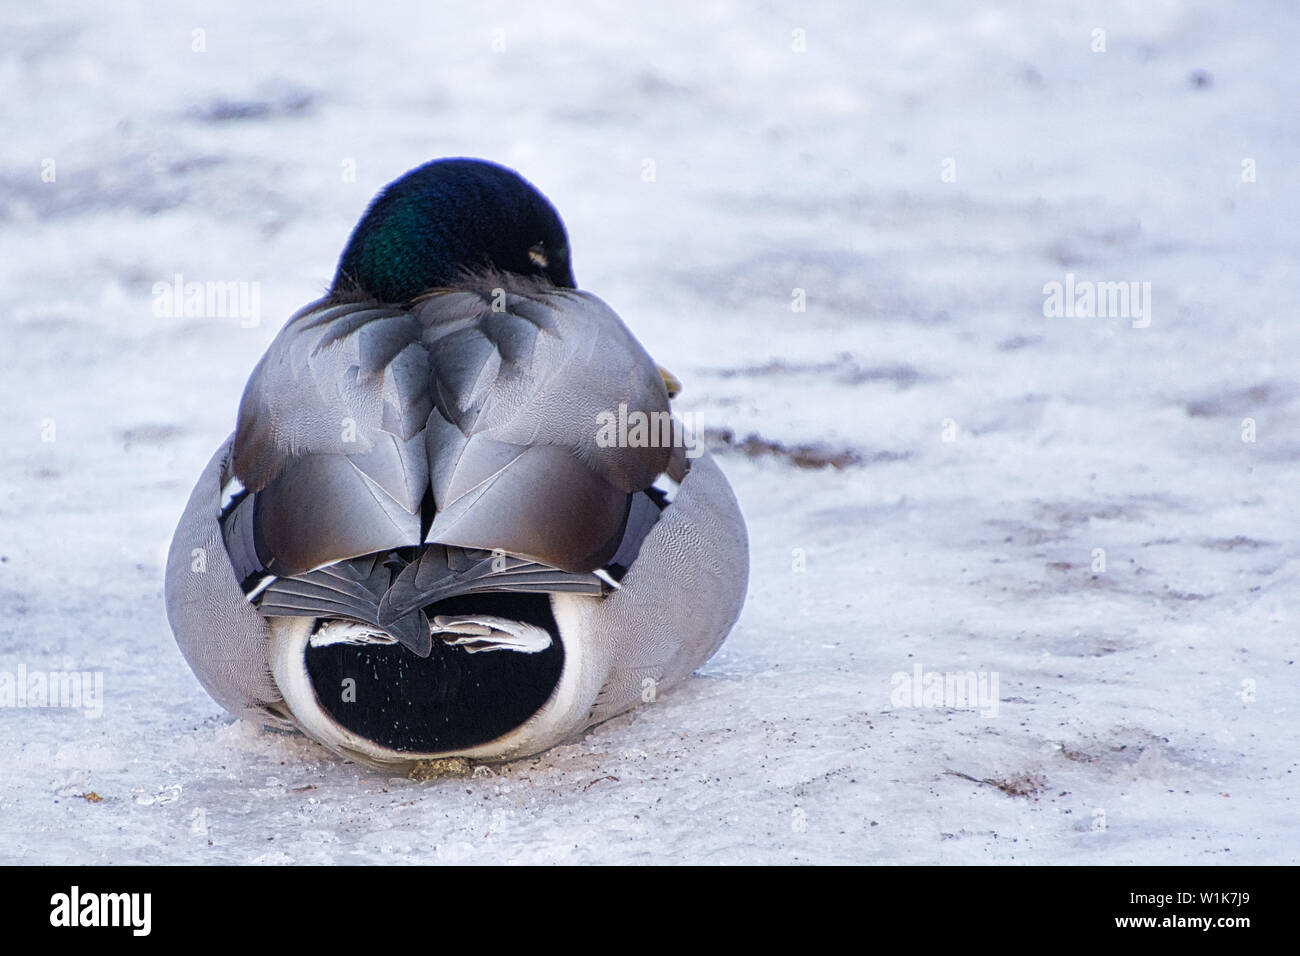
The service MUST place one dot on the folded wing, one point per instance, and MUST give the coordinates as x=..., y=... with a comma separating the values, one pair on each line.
x=473, y=419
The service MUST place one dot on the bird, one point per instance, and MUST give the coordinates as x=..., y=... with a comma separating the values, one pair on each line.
x=424, y=540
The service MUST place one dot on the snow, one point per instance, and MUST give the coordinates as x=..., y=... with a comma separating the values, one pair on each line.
x=1145, y=712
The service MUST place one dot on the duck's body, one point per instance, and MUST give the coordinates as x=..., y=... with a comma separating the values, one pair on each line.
x=416, y=544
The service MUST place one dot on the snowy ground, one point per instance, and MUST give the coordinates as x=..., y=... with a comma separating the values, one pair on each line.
x=1146, y=713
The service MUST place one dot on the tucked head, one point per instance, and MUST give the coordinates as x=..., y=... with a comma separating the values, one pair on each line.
x=448, y=217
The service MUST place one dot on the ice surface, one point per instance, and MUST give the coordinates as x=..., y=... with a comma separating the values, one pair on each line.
x=1146, y=713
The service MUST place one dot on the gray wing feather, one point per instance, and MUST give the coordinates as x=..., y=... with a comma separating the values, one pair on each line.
x=317, y=391
x=323, y=508
x=442, y=573
x=514, y=452
x=559, y=362
x=489, y=397
x=349, y=589
x=544, y=505
x=329, y=440
x=392, y=597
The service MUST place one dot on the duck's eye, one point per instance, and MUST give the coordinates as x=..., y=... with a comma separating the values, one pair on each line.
x=537, y=255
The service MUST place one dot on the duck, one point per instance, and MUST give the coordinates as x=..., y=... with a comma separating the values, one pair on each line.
x=423, y=541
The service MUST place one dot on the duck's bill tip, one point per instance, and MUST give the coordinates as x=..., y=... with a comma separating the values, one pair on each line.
x=671, y=382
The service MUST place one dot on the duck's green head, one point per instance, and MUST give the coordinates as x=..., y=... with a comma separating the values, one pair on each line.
x=449, y=217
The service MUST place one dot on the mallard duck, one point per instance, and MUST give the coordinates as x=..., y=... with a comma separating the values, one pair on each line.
x=421, y=540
